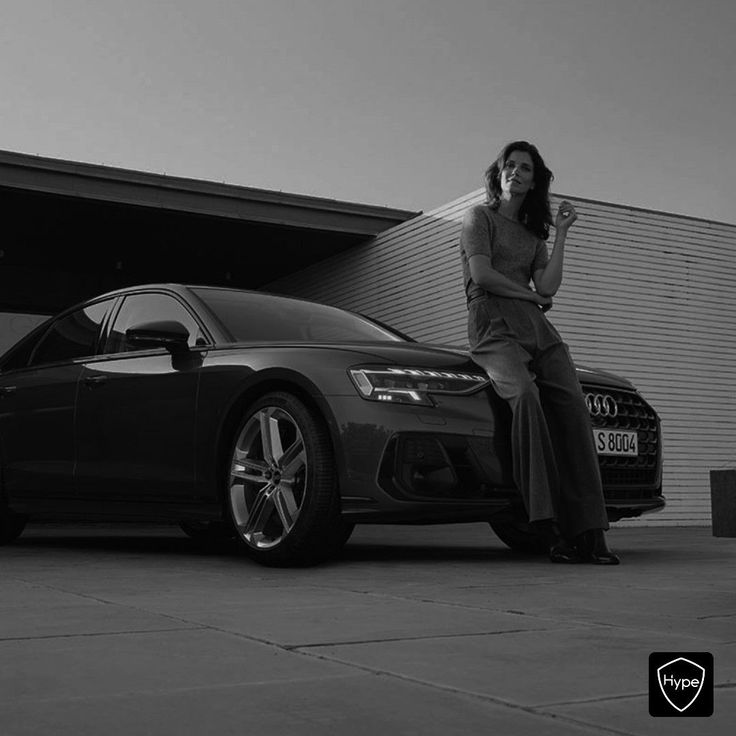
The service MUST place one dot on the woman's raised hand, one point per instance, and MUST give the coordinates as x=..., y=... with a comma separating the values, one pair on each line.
x=566, y=215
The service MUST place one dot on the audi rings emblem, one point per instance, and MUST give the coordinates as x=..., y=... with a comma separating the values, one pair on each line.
x=601, y=405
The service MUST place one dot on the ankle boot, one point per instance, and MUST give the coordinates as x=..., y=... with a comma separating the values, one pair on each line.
x=592, y=547
x=560, y=550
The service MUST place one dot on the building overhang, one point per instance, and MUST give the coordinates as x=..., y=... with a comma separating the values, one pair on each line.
x=143, y=189
x=100, y=227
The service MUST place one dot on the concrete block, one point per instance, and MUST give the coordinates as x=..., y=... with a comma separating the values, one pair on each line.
x=723, y=502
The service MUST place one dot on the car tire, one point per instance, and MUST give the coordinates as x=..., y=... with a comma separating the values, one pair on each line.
x=282, y=493
x=520, y=536
x=11, y=525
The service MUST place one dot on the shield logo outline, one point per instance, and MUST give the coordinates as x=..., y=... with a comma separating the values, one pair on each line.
x=698, y=667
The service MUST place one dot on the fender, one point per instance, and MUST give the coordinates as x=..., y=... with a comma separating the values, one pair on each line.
x=235, y=391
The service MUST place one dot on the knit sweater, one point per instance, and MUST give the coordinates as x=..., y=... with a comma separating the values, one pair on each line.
x=514, y=251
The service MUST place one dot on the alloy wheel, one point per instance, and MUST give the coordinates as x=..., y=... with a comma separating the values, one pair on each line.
x=268, y=477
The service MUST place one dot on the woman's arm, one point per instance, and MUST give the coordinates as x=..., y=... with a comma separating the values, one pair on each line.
x=496, y=283
x=547, y=280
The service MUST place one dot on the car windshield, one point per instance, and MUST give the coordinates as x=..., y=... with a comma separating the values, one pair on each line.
x=250, y=316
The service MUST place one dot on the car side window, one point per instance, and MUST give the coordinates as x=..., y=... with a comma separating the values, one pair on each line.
x=140, y=308
x=75, y=335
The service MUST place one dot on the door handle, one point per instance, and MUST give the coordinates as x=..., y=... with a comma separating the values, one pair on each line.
x=5, y=390
x=93, y=381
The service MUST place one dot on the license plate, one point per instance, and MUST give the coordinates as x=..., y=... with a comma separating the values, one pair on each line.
x=616, y=442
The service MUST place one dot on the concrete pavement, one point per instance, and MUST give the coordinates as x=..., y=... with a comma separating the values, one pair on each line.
x=414, y=630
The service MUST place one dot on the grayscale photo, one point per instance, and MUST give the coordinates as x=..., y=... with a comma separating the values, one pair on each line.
x=367, y=369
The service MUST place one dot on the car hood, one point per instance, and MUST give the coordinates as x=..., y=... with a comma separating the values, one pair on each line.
x=600, y=377
x=586, y=374
x=442, y=357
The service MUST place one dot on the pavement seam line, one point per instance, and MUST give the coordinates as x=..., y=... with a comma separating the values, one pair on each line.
x=588, y=701
x=716, y=615
x=393, y=640
x=100, y=633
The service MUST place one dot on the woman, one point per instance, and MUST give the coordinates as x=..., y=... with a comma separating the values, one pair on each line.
x=503, y=249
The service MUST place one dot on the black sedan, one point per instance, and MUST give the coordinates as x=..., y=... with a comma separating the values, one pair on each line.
x=275, y=421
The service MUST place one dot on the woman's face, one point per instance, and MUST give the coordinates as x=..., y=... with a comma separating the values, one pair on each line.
x=517, y=174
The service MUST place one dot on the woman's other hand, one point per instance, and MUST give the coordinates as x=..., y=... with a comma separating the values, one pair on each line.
x=545, y=302
x=566, y=215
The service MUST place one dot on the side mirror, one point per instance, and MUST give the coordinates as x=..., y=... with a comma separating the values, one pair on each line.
x=167, y=334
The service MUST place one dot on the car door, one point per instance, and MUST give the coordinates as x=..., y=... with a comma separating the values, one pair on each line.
x=136, y=410
x=38, y=390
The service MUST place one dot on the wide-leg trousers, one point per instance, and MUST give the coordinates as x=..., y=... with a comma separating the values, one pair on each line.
x=555, y=465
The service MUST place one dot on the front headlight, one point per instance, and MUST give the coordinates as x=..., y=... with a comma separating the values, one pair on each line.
x=413, y=385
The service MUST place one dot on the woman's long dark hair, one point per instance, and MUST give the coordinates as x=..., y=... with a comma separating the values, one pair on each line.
x=535, y=212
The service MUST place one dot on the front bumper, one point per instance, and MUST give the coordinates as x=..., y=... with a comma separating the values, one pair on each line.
x=452, y=462
x=417, y=464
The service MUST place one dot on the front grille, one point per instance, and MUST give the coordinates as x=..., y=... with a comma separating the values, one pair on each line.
x=625, y=476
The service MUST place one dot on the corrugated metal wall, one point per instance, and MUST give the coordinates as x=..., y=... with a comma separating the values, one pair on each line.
x=646, y=294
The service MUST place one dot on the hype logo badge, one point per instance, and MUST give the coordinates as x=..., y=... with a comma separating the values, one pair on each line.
x=681, y=684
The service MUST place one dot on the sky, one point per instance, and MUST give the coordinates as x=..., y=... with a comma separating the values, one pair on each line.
x=401, y=103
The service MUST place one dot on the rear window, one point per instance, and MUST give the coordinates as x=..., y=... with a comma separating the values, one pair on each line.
x=72, y=336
